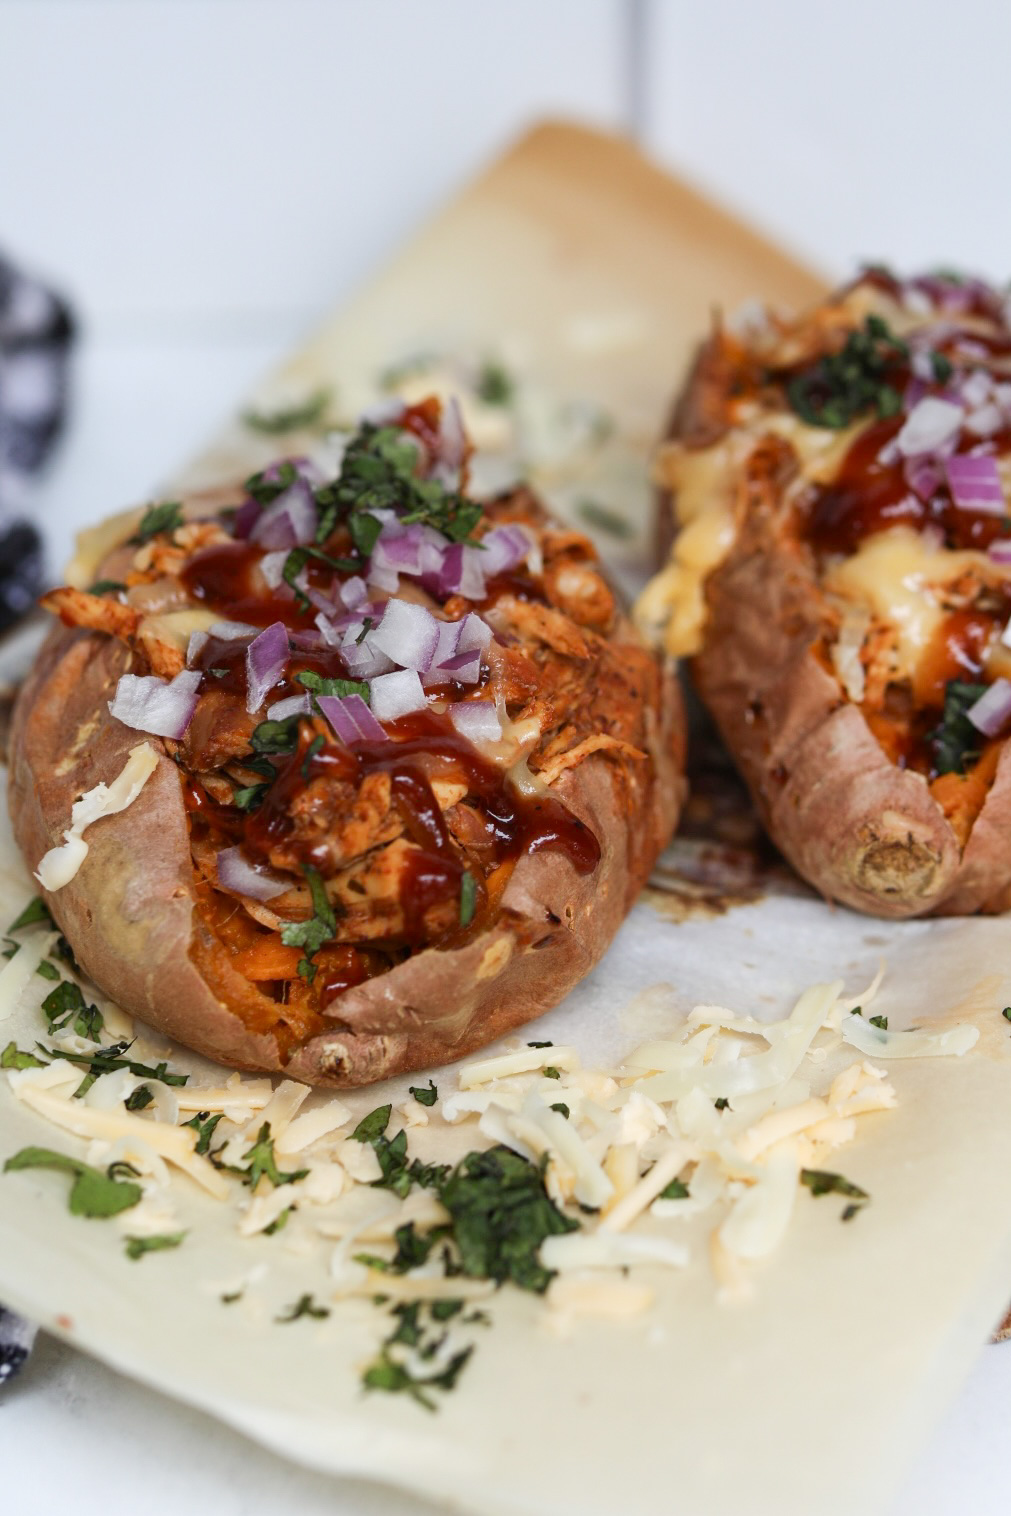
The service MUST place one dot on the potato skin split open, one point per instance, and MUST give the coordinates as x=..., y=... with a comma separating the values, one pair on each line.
x=130, y=915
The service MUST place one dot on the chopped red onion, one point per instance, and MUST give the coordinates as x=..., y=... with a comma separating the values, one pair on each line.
x=452, y=449
x=266, y=658
x=241, y=877
x=477, y=720
x=397, y=694
x=291, y=705
x=351, y=719
x=290, y=520
x=985, y=421
x=398, y=549
x=1000, y=550
x=931, y=425
x=363, y=659
x=1005, y=635
x=149, y=704
x=473, y=632
x=974, y=389
x=233, y=631
x=331, y=636
x=307, y=640
x=463, y=572
x=198, y=641
x=383, y=578
x=924, y=476
x=353, y=591
x=975, y=484
x=464, y=667
x=246, y=518
x=272, y=567
x=316, y=597
x=408, y=634
x=504, y=547
x=992, y=711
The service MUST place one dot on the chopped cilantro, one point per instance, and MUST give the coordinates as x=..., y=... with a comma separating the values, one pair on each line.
x=319, y=928
x=373, y=1125
x=548, y=1044
x=561, y=1108
x=13, y=1058
x=423, y=1096
x=501, y=1214
x=35, y=911
x=106, y=587
x=676, y=1190
x=386, y=1374
x=136, y=1247
x=823, y=1182
x=251, y=797
x=262, y=1162
x=955, y=741
x=397, y=1174
x=879, y=1021
x=140, y=1099
x=305, y=1305
x=722, y=1104
x=842, y=386
x=275, y=736
x=468, y=897
x=165, y=517
x=1006, y=1012
x=92, y=1193
x=110, y=1058
x=47, y=970
x=942, y=367
x=279, y=1222
x=275, y=423
x=204, y=1124
x=314, y=747
x=317, y=684
x=494, y=385
x=265, y=490
x=550, y=1072
x=65, y=1004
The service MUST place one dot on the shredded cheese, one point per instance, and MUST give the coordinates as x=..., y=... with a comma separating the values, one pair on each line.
x=60, y=865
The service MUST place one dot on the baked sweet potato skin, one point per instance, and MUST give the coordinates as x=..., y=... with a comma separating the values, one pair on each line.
x=130, y=917
x=861, y=830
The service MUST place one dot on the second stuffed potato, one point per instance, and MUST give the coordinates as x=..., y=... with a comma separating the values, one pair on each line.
x=840, y=577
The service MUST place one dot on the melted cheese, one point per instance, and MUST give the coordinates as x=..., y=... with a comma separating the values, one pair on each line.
x=895, y=575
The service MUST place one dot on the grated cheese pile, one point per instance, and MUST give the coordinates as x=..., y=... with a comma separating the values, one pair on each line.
x=726, y=1120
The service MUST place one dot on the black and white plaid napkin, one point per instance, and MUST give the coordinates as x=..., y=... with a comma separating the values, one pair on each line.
x=36, y=332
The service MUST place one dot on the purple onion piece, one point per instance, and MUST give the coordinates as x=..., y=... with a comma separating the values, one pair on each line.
x=238, y=875
x=290, y=520
x=149, y=704
x=975, y=484
x=266, y=659
x=351, y=719
x=246, y=518
x=291, y=705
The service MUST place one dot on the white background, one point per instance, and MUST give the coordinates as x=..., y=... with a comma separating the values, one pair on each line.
x=205, y=177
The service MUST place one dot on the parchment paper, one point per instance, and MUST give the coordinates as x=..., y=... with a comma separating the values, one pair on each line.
x=813, y=1395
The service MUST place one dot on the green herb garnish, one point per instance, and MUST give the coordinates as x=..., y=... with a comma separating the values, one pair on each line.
x=166, y=517
x=136, y=1247
x=140, y=1098
x=305, y=1305
x=34, y=912
x=603, y=518
x=276, y=423
x=823, y=1182
x=494, y=385
x=955, y=742
x=251, y=797
x=106, y=1060
x=67, y=1003
x=204, y=1124
x=315, y=746
x=106, y=586
x=550, y=1072
x=722, y=1104
x=92, y=1193
x=262, y=1162
x=501, y=1214
x=676, y=1190
x=394, y=1378
x=468, y=898
x=13, y=1058
x=321, y=926
x=561, y=1108
x=275, y=736
x=47, y=970
x=317, y=684
x=843, y=386
x=879, y=1021
x=423, y=1096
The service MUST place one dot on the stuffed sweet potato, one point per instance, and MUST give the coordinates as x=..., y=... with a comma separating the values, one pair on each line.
x=411, y=764
x=839, y=573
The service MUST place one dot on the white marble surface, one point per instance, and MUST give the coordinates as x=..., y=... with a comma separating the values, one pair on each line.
x=205, y=176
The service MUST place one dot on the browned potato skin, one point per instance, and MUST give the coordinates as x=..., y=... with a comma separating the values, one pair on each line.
x=856, y=827
x=129, y=913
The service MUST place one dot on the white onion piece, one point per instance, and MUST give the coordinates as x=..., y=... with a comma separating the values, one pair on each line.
x=477, y=720
x=266, y=659
x=932, y=424
x=363, y=659
x=233, y=631
x=992, y=711
x=1000, y=550
x=408, y=634
x=237, y=874
x=149, y=704
x=290, y=520
x=291, y=705
x=272, y=567
x=397, y=694
x=198, y=641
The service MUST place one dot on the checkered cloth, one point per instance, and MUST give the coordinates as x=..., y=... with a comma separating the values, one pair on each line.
x=36, y=332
